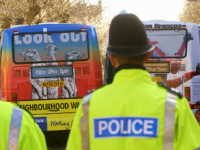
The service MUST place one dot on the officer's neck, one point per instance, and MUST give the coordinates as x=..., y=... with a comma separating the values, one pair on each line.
x=129, y=66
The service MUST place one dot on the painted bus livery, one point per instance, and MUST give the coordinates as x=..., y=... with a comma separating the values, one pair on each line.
x=48, y=68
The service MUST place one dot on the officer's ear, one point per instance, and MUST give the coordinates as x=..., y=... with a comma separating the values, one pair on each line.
x=113, y=60
x=147, y=56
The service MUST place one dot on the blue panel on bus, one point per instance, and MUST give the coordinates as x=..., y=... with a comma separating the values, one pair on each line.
x=42, y=122
x=52, y=71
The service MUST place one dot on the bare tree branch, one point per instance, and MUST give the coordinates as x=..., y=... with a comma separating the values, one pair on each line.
x=190, y=12
x=15, y=12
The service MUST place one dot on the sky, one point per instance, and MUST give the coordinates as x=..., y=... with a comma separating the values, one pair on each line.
x=146, y=9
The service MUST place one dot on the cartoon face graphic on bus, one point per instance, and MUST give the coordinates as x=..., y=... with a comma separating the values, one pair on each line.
x=38, y=92
x=69, y=90
x=51, y=50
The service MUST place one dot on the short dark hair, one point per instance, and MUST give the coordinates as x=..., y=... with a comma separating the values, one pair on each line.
x=134, y=60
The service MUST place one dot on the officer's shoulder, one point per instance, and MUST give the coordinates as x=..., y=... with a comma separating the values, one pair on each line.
x=171, y=90
x=24, y=110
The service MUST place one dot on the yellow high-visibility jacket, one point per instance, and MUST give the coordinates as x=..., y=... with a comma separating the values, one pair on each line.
x=134, y=113
x=18, y=130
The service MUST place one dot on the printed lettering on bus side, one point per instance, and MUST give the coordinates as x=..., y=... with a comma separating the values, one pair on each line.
x=51, y=106
x=45, y=38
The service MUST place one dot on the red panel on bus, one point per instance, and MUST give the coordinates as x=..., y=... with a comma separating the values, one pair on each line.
x=81, y=84
x=25, y=91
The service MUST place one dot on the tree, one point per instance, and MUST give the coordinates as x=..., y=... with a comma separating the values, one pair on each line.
x=190, y=12
x=102, y=32
x=37, y=11
x=18, y=12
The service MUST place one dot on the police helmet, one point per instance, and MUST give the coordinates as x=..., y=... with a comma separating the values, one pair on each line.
x=127, y=36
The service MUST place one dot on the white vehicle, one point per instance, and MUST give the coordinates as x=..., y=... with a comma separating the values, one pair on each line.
x=176, y=58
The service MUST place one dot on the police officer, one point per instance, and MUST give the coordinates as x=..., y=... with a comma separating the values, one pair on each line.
x=18, y=130
x=133, y=112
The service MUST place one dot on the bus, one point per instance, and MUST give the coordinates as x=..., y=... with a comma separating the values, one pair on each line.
x=175, y=60
x=47, y=69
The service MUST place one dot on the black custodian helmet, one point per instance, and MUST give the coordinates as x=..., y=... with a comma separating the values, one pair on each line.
x=127, y=36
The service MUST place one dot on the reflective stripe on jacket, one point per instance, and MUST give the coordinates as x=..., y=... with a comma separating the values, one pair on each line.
x=15, y=128
x=134, y=113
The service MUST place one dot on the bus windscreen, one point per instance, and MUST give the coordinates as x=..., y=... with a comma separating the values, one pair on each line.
x=50, y=47
x=168, y=43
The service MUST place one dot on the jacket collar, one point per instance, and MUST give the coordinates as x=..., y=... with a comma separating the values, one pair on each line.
x=129, y=66
x=133, y=73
